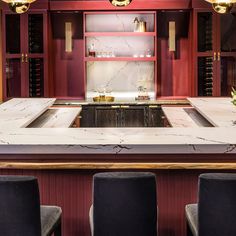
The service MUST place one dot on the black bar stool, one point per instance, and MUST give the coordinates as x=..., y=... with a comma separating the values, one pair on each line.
x=215, y=213
x=124, y=203
x=20, y=210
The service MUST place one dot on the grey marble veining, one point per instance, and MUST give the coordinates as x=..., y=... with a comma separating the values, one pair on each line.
x=119, y=141
x=185, y=117
x=56, y=118
x=20, y=112
x=219, y=111
x=120, y=76
x=122, y=46
x=16, y=140
x=116, y=22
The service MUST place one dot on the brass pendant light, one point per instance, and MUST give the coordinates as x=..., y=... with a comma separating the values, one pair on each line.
x=19, y=6
x=120, y=3
x=222, y=6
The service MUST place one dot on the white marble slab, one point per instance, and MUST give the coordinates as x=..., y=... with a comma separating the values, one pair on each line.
x=16, y=140
x=218, y=111
x=122, y=46
x=185, y=117
x=20, y=112
x=119, y=141
x=120, y=77
x=117, y=22
x=56, y=118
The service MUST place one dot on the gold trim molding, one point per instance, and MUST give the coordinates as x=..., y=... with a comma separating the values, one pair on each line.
x=116, y=165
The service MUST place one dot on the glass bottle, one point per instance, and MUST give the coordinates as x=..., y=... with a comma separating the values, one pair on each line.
x=91, y=51
x=136, y=24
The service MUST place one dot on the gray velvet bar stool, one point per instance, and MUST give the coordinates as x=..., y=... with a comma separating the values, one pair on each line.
x=20, y=210
x=215, y=213
x=124, y=203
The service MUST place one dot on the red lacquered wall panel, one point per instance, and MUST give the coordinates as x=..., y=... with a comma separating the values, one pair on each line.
x=173, y=70
x=68, y=69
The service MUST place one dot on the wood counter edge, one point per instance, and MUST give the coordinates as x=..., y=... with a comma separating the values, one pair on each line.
x=115, y=165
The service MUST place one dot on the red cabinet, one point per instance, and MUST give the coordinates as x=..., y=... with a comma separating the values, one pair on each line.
x=214, y=53
x=25, y=54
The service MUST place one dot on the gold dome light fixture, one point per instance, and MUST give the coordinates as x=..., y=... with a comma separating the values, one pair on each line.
x=120, y=3
x=19, y=6
x=222, y=6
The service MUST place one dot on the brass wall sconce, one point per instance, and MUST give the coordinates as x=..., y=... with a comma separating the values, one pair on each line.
x=172, y=36
x=120, y=3
x=19, y=6
x=222, y=6
x=68, y=36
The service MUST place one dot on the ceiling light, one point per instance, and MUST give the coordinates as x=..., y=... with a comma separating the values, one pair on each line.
x=120, y=3
x=222, y=6
x=19, y=6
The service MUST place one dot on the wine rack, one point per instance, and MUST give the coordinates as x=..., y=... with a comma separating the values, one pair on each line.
x=36, y=75
x=205, y=32
x=25, y=54
x=205, y=76
x=35, y=31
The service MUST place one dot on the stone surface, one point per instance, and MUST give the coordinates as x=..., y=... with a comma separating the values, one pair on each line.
x=219, y=111
x=16, y=140
x=56, y=118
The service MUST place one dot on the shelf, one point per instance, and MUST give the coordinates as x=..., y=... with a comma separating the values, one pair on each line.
x=93, y=34
x=120, y=58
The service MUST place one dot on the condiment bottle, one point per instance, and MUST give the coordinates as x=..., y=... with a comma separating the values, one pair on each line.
x=136, y=24
x=91, y=51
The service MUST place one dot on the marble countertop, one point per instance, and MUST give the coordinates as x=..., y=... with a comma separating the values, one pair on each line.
x=15, y=139
x=62, y=117
x=185, y=117
x=20, y=112
x=220, y=112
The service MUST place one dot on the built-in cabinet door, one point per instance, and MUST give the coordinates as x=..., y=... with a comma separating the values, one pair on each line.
x=215, y=52
x=155, y=116
x=107, y=116
x=87, y=116
x=227, y=54
x=12, y=58
x=13, y=77
x=133, y=116
x=36, y=54
x=206, y=52
x=25, y=57
x=122, y=116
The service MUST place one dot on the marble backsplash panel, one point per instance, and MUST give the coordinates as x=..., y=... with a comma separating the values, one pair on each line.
x=122, y=77
x=122, y=46
x=117, y=22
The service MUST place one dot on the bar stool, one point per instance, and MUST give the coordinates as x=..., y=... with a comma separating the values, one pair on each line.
x=215, y=213
x=20, y=210
x=124, y=203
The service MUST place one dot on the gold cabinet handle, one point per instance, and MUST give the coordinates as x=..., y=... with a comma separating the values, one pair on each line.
x=214, y=56
x=218, y=58
x=115, y=107
x=124, y=106
x=22, y=58
x=153, y=106
x=26, y=58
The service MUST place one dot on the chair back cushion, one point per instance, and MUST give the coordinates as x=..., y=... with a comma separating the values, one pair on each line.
x=19, y=206
x=217, y=204
x=125, y=204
